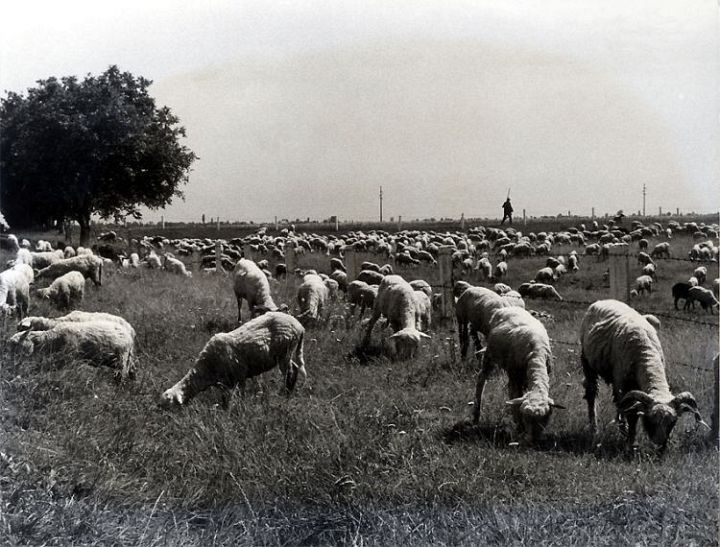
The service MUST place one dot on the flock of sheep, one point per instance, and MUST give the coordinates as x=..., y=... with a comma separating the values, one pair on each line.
x=619, y=344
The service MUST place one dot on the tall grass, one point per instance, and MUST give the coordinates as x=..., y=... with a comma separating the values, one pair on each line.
x=368, y=451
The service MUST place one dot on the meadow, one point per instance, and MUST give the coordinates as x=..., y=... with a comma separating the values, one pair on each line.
x=366, y=452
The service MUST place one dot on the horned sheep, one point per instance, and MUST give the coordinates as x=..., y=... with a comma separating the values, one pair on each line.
x=620, y=346
x=519, y=344
x=229, y=359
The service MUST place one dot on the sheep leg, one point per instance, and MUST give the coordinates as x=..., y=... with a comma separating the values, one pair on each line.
x=632, y=420
x=371, y=324
x=591, y=387
x=239, y=303
x=464, y=339
x=485, y=370
x=514, y=392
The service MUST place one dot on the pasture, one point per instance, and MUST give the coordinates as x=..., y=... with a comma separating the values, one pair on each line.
x=366, y=452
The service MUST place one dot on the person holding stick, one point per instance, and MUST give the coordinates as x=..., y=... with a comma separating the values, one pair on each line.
x=507, y=210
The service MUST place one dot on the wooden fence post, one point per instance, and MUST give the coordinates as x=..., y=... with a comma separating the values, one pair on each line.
x=351, y=264
x=218, y=257
x=290, y=259
x=447, y=306
x=620, y=273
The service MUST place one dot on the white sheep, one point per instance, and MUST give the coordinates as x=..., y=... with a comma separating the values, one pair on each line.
x=68, y=252
x=14, y=291
x=473, y=310
x=66, y=291
x=396, y=301
x=423, y=310
x=704, y=296
x=45, y=259
x=700, y=274
x=620, y=346
x=172, y=264
x=312, y=297
x=99, y=342
x=500, y=271
x=361, y=294
x=251, y=284
x=228, y=359
x=77, y=316
x=153, y=260
x=519, y=344
x=89, y=265
x=485, y=268
x=545, y=275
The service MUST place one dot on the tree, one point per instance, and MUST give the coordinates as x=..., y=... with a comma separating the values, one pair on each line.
x=71, y=149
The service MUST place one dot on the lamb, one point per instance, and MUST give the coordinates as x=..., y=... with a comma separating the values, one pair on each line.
x=100, y=342
x=473, y=310
x=311, y=298
x=88, y=265
x=66, y=291
x=229, y=359
x=539, y=290
x=519, y=344
x=704, y=296
x=396, y=301
x=643, y=284
x=361, y=294
x=620, y=346
x=251, y=284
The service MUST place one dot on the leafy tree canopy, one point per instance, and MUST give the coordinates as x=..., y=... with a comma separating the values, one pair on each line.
x=70, y=149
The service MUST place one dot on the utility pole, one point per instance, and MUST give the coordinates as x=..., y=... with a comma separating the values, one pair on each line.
x=381, y=204
x=644, y=192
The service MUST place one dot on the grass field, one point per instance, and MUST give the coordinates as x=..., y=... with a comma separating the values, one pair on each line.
x=366, y=452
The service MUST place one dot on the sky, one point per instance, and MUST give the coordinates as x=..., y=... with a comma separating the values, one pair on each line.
x=304, y=109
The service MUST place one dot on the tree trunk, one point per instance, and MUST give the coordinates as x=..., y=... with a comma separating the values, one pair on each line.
x=84, y=222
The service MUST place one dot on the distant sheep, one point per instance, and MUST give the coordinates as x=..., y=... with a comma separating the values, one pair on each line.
x=680, y=292
x=66, y=291
x=519, y=344
x=661, y=250
x=620, y=346
x=644, y=284
x=89, y=265
x=545, y=275
x=704, y=296
x=175, y=266
x=539, y=290
x=370, y=277
x=229, y=359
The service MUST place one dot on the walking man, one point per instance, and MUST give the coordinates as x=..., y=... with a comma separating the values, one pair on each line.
x=507, y=211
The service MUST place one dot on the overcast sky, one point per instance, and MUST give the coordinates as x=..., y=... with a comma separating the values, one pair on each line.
x=301, y=109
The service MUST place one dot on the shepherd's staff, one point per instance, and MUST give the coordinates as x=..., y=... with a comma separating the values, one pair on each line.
x=508, y=196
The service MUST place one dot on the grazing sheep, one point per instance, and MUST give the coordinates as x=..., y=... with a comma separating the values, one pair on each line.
x=370, y=277
x=100, y=342
x=661, y=250
x=229, y=359
x=14, y=291
x=473, y=310
x=545, y=275
x=153, y=261
x=66, y=291
x=644, y=258
x=485, y=268
x=649, y=269
x=539, y=290
x=251, y=284
x=620, y=346
x=422, y=286
x=341, y=279
x=312, y=296
x=680, y=291
x=644, y=284
x=704, y=296
x=337, y=264
x=513, y=298
x=361, y=294
x=175, y=266
x=77, y=316
x=88, y=265
x=423, y=310
x=519, y=344
x=700, y=274
x=500, y=272
x=396, y=301
x=573, y=263
x=460, y=287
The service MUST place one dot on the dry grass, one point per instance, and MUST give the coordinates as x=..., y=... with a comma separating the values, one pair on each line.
x=366, y=452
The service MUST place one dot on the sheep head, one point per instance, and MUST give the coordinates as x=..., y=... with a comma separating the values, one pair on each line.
x=404, y=343
x=659, y=419
x=533, y=411
x=172, y=397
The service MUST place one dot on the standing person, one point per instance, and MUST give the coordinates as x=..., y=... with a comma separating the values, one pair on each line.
x=507, y=211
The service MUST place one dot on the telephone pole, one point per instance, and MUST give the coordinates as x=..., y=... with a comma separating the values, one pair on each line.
x=644, y=192
x=381, y=204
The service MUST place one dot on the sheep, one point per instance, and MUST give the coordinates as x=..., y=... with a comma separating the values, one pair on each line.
x=341, y=279
x=704, y=296
x=88, y=265
x=423, y=286
x=370, y=277
x=545, y=275
x=501, y=288
x=460, y=287
x=14, y=291
x=153, y=261
x=539, y=290
x=77, y=316
x=100, y=342
x=680, y=290
x=423, y=310
x=485, y=268
x=396, y=301
x=620, y=346
x=700, y=274
x=513, y=298
x=26, y=271
x=311, y=298
x=361, y=294
x=44, y=259
x=66, y=291
x=337, y=264
x=251, y=284
x=661, y=250
x=649, y=269
x=473, y=310
x=519, y=344
x=229, y=359
x=175, y=266
x=68, y=252
x=573, y=263
x=644, y=258
x=643, y=284
x=500, y=271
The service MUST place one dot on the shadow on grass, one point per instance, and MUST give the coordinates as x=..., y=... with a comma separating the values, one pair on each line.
x=370, y=354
